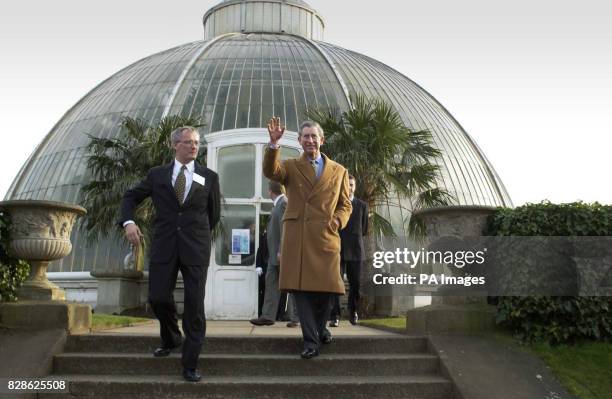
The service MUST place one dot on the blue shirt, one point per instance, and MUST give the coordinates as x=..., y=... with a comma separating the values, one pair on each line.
x=319, y=163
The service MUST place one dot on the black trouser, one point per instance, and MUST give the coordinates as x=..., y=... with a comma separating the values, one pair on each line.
x=353, y=271
x=281, y=314
x=162, y=281
x=313, y=310
x=261, y=293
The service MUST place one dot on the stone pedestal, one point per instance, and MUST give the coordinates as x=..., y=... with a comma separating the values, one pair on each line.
x=451, y=313
x=445, y=318
x=118, y=291
x=392, y=299
x=40, y=315
x=37, y=287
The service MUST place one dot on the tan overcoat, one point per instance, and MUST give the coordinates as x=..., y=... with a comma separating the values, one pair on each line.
x=310, y=248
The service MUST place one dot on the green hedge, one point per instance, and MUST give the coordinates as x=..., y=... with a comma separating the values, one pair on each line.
x=12, y=271
x=554, y=319
x=548, y=219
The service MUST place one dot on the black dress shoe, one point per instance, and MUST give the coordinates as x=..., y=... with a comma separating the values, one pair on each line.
x=164, y=351
x=191, y=375
x=309, y=353
x=354, y=318
x=261, y=321
x=326, y=339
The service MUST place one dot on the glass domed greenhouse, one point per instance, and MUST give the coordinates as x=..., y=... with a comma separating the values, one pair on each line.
x=258, y=58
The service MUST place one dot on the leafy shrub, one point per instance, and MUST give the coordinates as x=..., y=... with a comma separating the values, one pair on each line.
x=554, y=319
x=12, y=271
x=548, y=219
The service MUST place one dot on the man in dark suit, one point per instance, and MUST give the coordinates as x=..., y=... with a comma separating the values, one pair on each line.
x=261, y=266
x=352, y=255
x=186, y=199
x=274, y=231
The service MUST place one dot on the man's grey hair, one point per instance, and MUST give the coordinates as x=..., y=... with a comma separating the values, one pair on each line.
x=306, y=124
x=177, y=133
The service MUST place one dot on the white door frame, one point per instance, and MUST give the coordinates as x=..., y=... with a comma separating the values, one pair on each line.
x=245, y=275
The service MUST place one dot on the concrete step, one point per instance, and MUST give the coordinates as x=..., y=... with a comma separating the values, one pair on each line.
x=232, y=387
x=250, y=365
x=121, y=343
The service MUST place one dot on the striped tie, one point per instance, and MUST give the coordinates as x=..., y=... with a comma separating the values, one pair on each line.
x=314, y=166
x=179, y=185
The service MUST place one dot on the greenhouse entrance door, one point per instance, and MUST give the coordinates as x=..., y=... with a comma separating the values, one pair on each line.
x=237, y=155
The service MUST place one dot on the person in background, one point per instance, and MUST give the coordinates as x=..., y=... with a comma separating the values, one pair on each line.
x=352, y=255
x=261, y=266
x=275, y=231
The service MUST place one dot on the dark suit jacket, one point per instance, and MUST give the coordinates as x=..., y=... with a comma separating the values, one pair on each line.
x=261, y=256
x=184, y=228
x=351, y=237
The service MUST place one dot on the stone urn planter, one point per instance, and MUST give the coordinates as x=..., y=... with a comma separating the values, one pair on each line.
x=40, y=233
x=454, y=221
x=452, y=311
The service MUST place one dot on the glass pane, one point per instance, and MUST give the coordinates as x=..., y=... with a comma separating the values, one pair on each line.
x=266, y=207
x=229, y=250
x=286, y=153
x=236, y=168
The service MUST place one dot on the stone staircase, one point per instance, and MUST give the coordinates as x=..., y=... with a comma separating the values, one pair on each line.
x=122, y=366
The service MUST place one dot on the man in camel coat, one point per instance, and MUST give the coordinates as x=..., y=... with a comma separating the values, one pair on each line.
x=318, y=206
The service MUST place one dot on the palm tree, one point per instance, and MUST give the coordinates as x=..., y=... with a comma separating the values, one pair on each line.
x=117, y=164
x=387, y=159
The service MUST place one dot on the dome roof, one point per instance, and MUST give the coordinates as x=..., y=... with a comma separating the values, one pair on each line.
x=236, y=81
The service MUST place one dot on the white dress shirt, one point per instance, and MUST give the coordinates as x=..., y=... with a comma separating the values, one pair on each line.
x=277, y=199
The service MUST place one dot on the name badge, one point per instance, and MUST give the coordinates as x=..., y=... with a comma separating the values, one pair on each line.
x=199, y=179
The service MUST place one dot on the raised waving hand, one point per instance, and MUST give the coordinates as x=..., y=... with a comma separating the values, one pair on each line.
x=275, y=129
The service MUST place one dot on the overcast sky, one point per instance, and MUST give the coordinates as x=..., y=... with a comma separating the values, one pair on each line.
x=531, y=81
